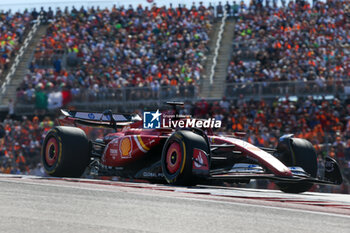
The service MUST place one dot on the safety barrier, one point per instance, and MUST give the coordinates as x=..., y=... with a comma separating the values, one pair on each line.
x=257, y=90
x=124, y=96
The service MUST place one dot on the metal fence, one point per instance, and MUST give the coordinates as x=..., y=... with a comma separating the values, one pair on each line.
x=190, y=92
x=123, y=95
x=297, y=88
x=133, y=97
x=136, y=94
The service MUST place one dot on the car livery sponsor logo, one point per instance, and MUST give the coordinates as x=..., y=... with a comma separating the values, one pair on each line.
x=113, y=149
x=200, y=160
x=91, y=116
x=151, y=120
x=152, y=174
x=125, y=147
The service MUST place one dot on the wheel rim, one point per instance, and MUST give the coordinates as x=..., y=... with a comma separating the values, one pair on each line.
x=51, y=151
x=173, y=158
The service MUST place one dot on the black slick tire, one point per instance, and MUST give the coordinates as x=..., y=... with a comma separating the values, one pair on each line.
x=65, y=152
x=301, y=154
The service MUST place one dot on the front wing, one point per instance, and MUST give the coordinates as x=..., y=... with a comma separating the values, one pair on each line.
x=331, y=175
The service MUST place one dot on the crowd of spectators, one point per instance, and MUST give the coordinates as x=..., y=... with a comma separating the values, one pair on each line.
x=325, y=123
x=20, y=144
x=13, y=27
x=92, y=49
x=294, y=42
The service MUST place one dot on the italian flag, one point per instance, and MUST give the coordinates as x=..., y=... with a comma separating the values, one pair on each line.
x=58, y=99
x=52, y=100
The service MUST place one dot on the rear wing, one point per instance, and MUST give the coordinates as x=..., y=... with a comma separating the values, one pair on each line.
x=106, y=118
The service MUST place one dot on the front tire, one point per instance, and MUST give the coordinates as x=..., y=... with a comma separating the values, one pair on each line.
x=300, y=153
x=65, y=152
x=177, y=157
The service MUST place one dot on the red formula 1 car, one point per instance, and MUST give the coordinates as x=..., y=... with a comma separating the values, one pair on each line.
x=182, y=156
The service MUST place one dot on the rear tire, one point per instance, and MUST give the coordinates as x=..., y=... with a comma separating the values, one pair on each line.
x=300, y=153
x=65, y=152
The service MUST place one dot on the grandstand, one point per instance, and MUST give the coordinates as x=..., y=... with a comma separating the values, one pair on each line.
x=264, y=69
x=297, y=50
x=251, y=49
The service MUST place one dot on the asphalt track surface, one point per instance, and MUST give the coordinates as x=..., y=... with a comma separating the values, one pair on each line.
x=32, y=204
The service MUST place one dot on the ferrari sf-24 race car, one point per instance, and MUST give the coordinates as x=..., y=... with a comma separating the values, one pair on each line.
x=181, y=156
